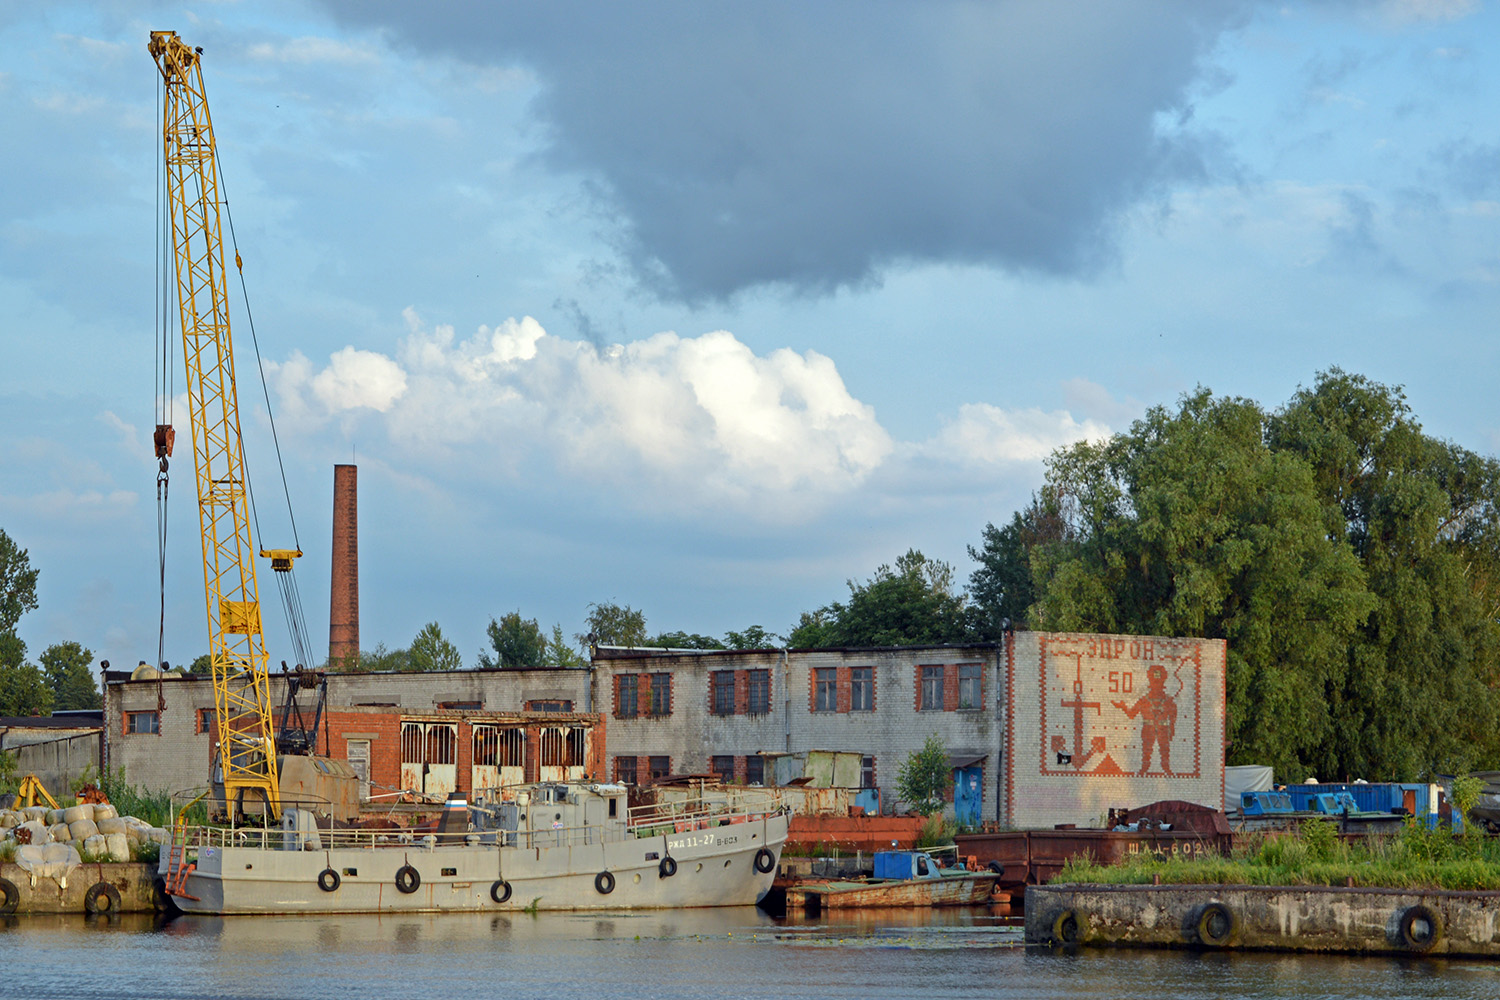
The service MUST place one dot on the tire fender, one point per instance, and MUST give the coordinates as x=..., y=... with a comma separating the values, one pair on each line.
x=1418, y=928
x=101, y=898
x=10, y=896
x=667, y=868
x=604, y=883
x=407, y=879
x=1067, y=927
x=329, y=880
x=1215, y=925
x=500, y=890
x=765, y=861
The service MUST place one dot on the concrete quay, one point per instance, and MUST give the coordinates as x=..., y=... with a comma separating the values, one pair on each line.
x=81, y=891
x=1267, y=918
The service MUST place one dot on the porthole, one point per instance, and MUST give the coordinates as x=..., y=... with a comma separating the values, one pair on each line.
x=637, y=878
x=699, y=868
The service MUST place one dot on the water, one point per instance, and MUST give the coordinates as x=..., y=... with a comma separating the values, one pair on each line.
x=697, y=954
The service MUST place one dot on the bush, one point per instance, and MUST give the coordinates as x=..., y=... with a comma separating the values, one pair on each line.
x=924, y=778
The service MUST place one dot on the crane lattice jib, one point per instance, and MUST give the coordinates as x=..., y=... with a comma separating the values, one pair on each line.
x=242, y=690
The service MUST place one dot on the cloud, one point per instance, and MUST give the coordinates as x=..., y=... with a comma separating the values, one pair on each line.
x=667, y=423
x=1402, y=12
x=811, y=146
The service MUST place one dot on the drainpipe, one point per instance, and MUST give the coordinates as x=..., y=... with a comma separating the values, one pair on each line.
x=786, y=689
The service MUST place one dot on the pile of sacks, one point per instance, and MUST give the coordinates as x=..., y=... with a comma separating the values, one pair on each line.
x=96, y=830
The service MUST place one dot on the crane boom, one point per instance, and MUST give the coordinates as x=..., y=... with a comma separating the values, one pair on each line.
x=242, y=690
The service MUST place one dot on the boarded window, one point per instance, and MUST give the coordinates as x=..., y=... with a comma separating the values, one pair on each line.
x=760, y=692
x=723, y=767
x=932, y=689
x=862, y=689
x=549, y=705
x=625, y=770
x=755, y=770
x=659, y=767
x=970, y=682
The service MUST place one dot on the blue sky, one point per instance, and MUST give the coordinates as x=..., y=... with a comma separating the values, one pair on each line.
x=707, y=309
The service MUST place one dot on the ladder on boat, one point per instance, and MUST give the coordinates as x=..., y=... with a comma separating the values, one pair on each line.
x=178, y=866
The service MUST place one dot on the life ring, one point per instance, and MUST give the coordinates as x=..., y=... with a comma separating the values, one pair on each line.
x=1216, y=924
x=667, y=868
x=328, y=880
x=765, y=861
x=1419, y=928
x=10, y=896
x=1067, y=928
x=500, y=890
x=407, y=879
x=605, y=883
x=101, y=898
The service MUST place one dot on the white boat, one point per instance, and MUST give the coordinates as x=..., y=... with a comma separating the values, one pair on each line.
x=554, y=847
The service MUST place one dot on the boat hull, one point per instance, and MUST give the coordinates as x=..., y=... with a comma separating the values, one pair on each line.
x=964, y=890
x=713, y=867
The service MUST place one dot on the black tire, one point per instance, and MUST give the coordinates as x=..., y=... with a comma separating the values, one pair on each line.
x=1216, y=925
x=500, y=891
x=10, y=896
x=667, y=868
x=996, y=867
x=1067, y=928
x=407, y=879
x=1419, y=928
x=765, y=861
x=328, y=880
x=604, y=882
x=101, y=898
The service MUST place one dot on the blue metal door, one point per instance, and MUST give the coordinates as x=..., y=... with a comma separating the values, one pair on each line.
x=967, y=795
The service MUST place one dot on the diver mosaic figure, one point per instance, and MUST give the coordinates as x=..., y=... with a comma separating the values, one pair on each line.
x=1159, y=722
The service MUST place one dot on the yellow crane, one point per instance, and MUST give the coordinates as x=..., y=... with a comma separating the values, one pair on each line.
x=242, y=691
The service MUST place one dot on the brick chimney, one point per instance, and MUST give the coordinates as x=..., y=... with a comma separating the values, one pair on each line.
x=343, y=608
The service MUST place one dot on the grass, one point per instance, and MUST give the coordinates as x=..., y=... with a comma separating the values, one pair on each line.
x=1414, y=858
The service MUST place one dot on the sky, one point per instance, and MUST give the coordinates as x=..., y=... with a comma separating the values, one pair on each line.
x=709, y=308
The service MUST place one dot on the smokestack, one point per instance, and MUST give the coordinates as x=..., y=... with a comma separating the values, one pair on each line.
x=343, y=609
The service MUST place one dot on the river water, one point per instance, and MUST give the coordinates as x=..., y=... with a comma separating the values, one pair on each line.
x=697, y=954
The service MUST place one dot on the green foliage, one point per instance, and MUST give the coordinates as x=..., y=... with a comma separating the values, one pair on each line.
x=24, y=691
x=203, y=665
x=517, y=642
x=1351, y=563
x=1466, y=792
x=925, y=777
x=8, y=849
x=381, y=660
x=684, y=640
x=430, y=651
x=1415, y=858
x=8, y=768
x=17, y=584
x=560, y=654
x=912, y=604
x=935, y=832
x=146, y=852
x=68, y=669
x=152, y=807
x=753, y=637
x=611, y=624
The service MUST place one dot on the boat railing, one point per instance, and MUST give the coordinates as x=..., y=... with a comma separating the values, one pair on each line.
x=695, y=814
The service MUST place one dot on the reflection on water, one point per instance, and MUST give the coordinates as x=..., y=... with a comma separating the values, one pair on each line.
x=736, y=952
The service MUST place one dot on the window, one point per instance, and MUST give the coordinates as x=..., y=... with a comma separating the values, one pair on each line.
x=755, y=770
x=549, y=705
x=825, y=693
x=722, y=766
x=932, y=690
x=760, y=692
x=862, y=689
x=970, y=680
x=867, y=772
x=205, y=720
x=659, y=767
x=625, y=770
x=661, y=694
x=626, y=689
x=722, y=682
x=461, y=706
x=142, y=722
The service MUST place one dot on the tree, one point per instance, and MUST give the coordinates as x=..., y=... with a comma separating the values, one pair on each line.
x=203, y=664
x=24, y=691
x=430, y=651
x=69, y=674
x=925, y=777
x=382, y=660
x=17, y=584
x=753, y=637
x=1351, y=563
x=610, y=624
x=913, y=604
x=560, y=654
x=684, y=640
x=518, y=643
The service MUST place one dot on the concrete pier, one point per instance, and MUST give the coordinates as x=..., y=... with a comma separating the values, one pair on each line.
x=131, y=881
x=1275, y=918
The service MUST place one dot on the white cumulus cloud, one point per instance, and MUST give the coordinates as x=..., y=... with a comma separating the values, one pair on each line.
x=983, y=434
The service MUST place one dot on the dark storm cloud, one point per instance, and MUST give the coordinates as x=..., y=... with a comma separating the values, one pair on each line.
x=807, y=145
